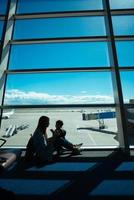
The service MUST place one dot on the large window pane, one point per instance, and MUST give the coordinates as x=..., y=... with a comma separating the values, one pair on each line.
x=59, y=27
x=23, y=122
x=127, y=80
x=59, y=88
x=84, y=54
x=3, y=6
x=120, y=4
x=30, y=6
x=130, y=122
x=123, y=25
x=125, y=53
x=1, y=28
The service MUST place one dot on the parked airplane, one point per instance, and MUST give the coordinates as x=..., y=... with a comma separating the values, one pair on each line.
x=22, y=127
x=6, y=115
x=13, y=129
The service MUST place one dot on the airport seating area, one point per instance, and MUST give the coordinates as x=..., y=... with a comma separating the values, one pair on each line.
x=71, y=60
x=93, y=174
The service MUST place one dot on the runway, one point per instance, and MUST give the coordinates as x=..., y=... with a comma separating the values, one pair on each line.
x=78, y=130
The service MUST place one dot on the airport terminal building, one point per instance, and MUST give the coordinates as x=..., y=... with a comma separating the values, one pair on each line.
x=68, y=59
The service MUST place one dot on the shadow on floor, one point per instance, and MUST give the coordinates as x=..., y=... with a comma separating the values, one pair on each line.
x=91, y=175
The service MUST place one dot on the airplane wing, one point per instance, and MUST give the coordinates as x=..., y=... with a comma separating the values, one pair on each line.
x=6, y=115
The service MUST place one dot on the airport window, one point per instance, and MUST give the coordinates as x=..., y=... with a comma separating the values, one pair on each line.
x=59, y=55
x=125, y=53
x=22, y=122
x=56, y=59
x=125, y=4
x=3, y=6
x=33, y=6
x=123, y=25
x=127, y=80
x=59, y=88
x=59, y=27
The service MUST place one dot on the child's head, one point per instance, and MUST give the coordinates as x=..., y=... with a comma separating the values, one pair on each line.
x=59, y=123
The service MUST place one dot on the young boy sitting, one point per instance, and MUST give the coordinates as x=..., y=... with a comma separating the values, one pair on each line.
x=59, y=132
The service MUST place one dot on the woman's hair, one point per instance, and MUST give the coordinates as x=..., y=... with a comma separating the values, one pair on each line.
x=43, y=120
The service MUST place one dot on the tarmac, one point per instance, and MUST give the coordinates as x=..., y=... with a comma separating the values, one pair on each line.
x=78, y=130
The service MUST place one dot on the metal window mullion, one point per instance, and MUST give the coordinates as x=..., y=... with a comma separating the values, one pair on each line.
x=58, y=70
x=122, y=12
x=71, y=39
x=60, y=14
x=2, y=74
x=126, y=68
x=59, y=106
x=118, y=96
x=5, y=46
x=2, y=17
x=59, y=40
x=5, y=19
x=72, y=14
x=63, y=69
x=124, y=37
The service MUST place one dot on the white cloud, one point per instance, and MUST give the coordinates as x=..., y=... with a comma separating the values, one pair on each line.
x=15, y=96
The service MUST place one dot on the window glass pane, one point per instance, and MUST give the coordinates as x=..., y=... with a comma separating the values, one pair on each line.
x=127, y=80
x=125, y=53
x=59, y=27
x=59, y=88
x=120, y=4
x=1, y=28
x=30, y=6
x=60, y=55
x=123, y=25
x=3, y=6
x=23, y=122
x=130, y=121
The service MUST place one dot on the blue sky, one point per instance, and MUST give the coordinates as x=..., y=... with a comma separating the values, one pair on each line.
x=65, y=5
x=58, y=5
x=71, y=27
x=24, y=6
x=59, y=27
x=3, y=4
x=59, y=55
x=58, y=88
